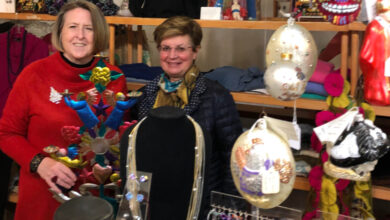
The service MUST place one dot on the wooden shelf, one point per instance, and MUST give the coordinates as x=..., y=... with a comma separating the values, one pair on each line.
x=301, y=183
x=378, y=192
x=251, y=98
x=134, y=86
x=259, y=99
x=382, y=110
x=27, y=16
x=231, y=24
x=310, y=104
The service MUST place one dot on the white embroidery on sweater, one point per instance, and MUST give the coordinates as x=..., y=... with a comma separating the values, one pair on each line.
x=55, y=97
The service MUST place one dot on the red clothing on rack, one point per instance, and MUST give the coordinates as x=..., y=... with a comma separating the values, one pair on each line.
x=373, y=55
x=35, y=49
x=33, y=118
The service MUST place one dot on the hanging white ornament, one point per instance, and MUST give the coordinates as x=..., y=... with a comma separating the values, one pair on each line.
x=293, y=39
x=285, y=80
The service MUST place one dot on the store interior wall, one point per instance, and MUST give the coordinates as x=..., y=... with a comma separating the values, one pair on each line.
x=241, y=48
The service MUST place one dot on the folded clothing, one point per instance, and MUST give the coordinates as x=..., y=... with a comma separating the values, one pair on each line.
x=313, y=96
x=316, y=88
x=236, y=79
x=321, y=71
x=141, y=71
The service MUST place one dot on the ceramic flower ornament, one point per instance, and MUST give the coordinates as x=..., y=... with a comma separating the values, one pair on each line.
x=340, y=12
x=101, y=75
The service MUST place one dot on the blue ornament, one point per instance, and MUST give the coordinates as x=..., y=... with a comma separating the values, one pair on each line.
x=140, y=197
x=129, y=195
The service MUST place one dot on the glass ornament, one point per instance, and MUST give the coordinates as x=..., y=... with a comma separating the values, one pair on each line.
x=262, y=166
x=293, y=39
x=285, y=80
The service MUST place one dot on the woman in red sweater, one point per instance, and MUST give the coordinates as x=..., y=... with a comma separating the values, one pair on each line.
x=36, y=113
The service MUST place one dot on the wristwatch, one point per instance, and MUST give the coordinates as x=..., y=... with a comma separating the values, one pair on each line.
x=37, y=159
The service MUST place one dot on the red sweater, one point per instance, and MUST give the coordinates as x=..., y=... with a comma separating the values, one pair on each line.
x=31, y=121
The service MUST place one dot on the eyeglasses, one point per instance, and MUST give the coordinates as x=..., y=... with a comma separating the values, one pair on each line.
x=177, y=50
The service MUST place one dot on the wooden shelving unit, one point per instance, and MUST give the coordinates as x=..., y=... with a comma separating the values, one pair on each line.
x=263, y=25
x=349, y=54
x=352, y=28
x=378, y=192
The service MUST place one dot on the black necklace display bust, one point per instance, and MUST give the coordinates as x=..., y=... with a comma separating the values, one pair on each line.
x=165, y=145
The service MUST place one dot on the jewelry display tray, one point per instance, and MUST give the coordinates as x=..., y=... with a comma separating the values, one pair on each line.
x=238, y=208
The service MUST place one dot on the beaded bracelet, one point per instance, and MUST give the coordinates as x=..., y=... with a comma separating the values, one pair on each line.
x=37, y=159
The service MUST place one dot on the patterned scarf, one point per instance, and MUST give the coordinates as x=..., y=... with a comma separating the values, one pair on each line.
x=176, y=93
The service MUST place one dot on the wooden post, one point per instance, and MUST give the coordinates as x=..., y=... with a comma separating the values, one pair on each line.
x=275, y=8
x=354, y=61
x=130, y=42
x=344, y=55
x=139, y=44
x=111, y=55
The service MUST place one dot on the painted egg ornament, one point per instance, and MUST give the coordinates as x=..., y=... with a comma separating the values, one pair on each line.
x=293, y=39
x=262, y=166
x=285, y=81
x=340, y=12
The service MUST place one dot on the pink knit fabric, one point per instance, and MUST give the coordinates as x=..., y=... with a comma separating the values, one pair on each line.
x=321, y=71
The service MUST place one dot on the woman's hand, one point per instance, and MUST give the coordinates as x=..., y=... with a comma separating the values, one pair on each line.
x=91, y=96
x=110, y=97
x=54, y=172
